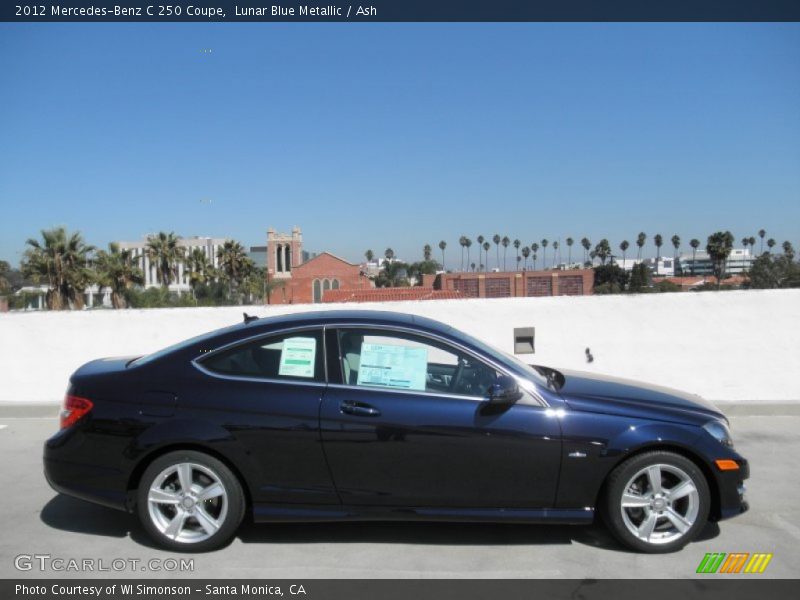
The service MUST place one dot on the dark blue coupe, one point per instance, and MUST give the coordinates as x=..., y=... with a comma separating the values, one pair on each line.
x=373, y=415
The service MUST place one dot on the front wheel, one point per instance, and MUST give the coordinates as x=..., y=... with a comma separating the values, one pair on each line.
x=190, y=501
x=656, y=502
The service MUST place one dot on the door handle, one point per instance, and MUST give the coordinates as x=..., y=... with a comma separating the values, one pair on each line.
x=359, y=409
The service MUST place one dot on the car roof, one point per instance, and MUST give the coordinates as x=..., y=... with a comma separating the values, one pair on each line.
x=347, y=316
x=259, y=326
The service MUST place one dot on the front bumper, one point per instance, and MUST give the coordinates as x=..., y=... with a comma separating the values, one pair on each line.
x=732, y=488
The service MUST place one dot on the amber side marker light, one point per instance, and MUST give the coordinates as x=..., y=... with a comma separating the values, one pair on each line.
x=725, y=464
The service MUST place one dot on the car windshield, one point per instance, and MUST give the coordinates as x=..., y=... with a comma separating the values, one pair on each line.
x=528, y=370
x=147, y=358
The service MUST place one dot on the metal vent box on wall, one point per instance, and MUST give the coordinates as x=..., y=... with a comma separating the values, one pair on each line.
x=524, y=340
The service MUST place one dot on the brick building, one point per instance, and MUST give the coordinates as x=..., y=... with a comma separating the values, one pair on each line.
x=328, y=278
x=518, y=283
x=395, y=294
x=307, y=282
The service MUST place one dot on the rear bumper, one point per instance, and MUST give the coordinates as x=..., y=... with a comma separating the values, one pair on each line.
x=69, y=475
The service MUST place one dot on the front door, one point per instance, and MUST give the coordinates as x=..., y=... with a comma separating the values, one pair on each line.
x=410, y=425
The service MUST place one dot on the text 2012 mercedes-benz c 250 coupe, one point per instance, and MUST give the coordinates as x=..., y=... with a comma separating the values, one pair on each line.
x=341, y=415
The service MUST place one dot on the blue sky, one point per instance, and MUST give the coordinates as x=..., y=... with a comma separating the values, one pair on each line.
x=370, y=136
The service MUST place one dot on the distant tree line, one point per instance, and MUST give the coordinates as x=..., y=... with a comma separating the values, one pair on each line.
x=768, y=270
x=67, y=265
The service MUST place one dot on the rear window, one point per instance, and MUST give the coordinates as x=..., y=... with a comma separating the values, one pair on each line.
x=292, y=356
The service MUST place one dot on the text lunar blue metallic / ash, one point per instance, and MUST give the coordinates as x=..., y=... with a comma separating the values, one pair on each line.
x=353, y=415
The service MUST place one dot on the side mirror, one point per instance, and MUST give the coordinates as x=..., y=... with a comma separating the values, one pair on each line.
x=504, y=391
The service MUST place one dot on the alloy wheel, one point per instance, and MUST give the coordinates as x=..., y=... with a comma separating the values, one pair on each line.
x=660, y=503
x=187, y=502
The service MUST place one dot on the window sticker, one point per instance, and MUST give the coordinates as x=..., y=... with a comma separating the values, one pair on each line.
x=386, y=365
x=298, y=357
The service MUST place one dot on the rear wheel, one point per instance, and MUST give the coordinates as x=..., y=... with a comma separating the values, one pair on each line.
x=656, y=502
x=190, y=501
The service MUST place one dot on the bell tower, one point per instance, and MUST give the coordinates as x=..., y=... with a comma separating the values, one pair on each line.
x=284, y=252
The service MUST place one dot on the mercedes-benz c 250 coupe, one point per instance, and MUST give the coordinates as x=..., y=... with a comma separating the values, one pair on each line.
x=354, y=415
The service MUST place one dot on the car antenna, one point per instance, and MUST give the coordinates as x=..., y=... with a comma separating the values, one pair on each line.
x=249, y=318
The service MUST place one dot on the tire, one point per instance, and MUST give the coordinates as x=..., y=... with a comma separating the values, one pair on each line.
x=190, y=501
x=656, y=518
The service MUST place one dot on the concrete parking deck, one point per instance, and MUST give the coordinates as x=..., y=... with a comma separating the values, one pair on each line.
x=39, y=521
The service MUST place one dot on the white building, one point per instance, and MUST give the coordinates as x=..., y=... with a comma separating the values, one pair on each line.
x=92, y=296
x=628, y=263
x=208, y=245
x=739, y=261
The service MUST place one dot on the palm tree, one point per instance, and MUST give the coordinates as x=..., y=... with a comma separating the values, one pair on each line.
x=526, y=252
x=719, y=247
x=486, y=246
x=771, y=244
x=603, y=250
x=534, y=250
x=544, y=252
x=118, y=271
x=199, y=268
x=570, y=241
x=505, y=241
x=369, y=255
x=517, y=244
x=388, y=254
x=586, y=245
x=519, y=260
x=427, y=251
x=61, y=260
x=442, y=246
x=164, y=251
x=761, y=234
x=659, y=241
x=496, y=240
x=788, y=250
x=4, y=269
x=640, y=241
x=257, y=283
x=624, y=245
x=462, y=241
x=469, y=245
x=752, y=241
x=480, y=248
x=555, y=253
x=472, y=266
x=694, y=244
x=676, y=243
x=234, y=264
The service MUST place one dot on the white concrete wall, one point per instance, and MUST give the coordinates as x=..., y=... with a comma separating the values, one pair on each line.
x=729, y=346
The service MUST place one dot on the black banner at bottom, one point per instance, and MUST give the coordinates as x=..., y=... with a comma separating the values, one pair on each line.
x=401, y=589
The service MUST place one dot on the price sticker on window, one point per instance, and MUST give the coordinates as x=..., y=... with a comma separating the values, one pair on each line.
x=386, y=365
x=298, y=357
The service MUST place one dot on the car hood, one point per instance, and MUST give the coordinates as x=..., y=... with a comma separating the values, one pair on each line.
x=602, y=393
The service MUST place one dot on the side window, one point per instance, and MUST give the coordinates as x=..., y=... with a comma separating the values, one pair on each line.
x=394, y=360
x=297, y=356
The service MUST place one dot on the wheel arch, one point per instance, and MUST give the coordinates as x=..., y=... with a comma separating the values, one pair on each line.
x=715, y=508
x=145, y=461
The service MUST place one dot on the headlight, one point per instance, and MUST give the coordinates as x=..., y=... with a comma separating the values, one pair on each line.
x=720, y=431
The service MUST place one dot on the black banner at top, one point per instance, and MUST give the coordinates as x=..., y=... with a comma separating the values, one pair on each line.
x=400, y=10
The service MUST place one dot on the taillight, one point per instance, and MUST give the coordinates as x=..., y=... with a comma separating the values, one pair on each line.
x=74, y=408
